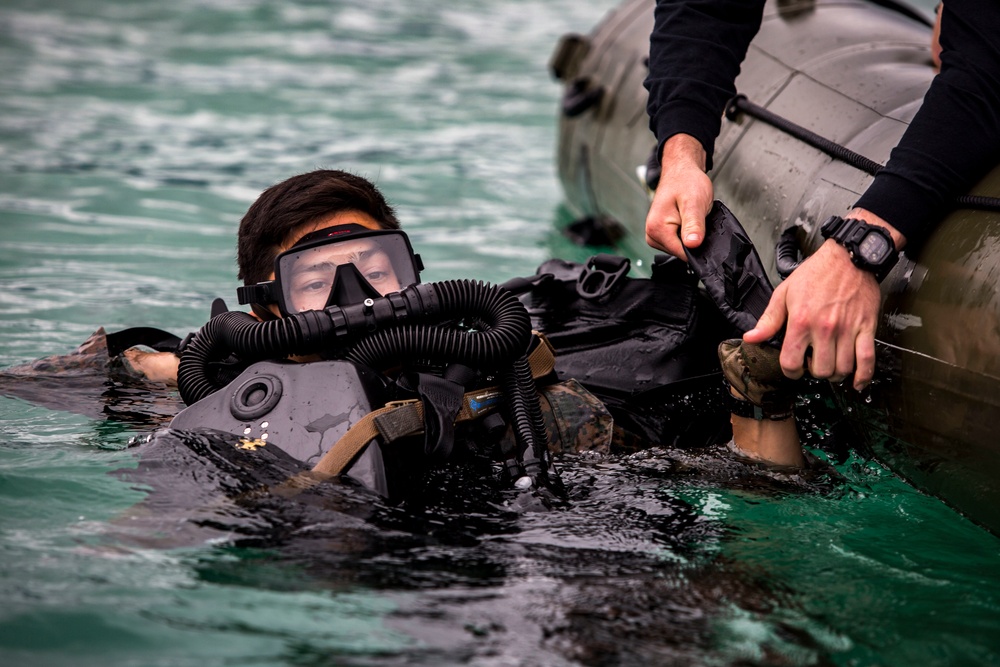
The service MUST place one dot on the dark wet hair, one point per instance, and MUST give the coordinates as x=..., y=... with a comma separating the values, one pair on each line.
x=296, y=201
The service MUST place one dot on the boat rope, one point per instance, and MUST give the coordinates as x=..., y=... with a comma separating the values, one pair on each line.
x=740, y=103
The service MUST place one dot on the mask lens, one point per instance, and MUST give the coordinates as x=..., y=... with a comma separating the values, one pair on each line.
x=306, y=276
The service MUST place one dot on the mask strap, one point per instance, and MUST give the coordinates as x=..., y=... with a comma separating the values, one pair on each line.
x=263, y=313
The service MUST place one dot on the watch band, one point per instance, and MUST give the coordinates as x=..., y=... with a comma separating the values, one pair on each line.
x=853, y=235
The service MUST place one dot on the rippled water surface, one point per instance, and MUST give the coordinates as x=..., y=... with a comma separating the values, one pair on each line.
x=133, y=135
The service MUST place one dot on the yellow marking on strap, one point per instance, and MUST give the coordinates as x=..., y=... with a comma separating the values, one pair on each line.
x=250, y=445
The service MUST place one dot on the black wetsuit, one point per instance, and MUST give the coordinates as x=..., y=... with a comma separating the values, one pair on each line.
x=695, y=53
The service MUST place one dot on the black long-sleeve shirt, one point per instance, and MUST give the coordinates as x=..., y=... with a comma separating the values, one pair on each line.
x=696, y=49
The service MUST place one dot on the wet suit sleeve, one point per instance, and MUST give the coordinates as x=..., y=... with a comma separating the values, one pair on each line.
x=955, y=136
x=695, y=51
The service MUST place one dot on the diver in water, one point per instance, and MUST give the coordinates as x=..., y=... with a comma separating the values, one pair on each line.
x=279, y=219
x=329, y=239
x=325, y=239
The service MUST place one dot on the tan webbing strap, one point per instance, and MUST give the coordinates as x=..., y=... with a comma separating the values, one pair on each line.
x=400, y=419
x=352, y=442
x=396, y=420
x=406, y=419
x=542, y=359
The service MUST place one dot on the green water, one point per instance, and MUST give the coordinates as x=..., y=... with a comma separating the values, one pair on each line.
x=133, y=135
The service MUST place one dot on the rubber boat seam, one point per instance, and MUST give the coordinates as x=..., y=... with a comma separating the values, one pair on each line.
x=829, y=56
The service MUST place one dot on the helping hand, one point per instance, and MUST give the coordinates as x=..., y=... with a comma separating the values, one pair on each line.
x=831, y=306
x=682, y=199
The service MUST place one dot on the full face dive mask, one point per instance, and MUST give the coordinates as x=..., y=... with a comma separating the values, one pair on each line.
x=338, y=265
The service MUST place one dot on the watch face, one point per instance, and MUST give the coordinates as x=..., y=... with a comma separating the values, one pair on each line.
x=873, y=247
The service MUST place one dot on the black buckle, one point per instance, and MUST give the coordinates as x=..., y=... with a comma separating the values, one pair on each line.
x=262, y=293
x=602, y=276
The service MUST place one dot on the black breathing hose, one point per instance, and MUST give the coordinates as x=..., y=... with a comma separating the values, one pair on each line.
x=506, y=335
x=376, y=333
x=528, y=423
x=228, y=332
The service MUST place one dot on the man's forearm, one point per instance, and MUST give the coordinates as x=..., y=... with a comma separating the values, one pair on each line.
x=696, y=49
x=955, y=136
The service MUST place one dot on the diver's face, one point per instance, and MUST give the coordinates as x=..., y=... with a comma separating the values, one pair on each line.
x=340, y=218
x=311, y=277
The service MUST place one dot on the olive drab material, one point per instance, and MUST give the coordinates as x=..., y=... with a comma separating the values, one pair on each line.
x=854, y=72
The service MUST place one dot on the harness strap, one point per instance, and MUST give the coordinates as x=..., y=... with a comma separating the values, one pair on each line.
x=352, y=442
x=400, y=419
x=542, y=359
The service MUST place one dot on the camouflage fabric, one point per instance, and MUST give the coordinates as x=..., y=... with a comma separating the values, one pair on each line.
x=575, y=419
x=754, y=372
x=91, y=357
x=88, y=382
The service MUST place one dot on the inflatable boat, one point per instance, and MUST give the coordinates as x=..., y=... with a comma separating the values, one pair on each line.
x=852, y=73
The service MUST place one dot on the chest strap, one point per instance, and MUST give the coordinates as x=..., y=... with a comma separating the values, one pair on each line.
x=401, y=419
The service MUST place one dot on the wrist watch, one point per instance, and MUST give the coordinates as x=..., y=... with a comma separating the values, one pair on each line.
x=870, y=246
